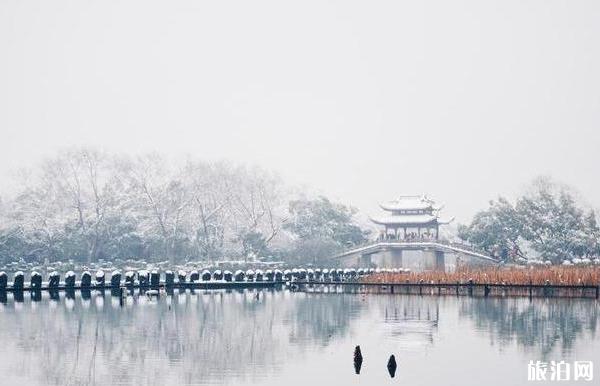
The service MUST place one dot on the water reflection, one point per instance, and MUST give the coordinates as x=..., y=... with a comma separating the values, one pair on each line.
x=204, y=334
x=410, y=320
x=319, y=319
x=541, y=325
x=251, y=336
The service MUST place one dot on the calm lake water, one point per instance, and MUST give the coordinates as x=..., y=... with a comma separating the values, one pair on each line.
x=269, y=337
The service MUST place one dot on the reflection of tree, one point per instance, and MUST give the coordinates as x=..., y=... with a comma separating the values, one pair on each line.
x=320, y=318
x=186, y=338
x=219, y=336
x=548, y=324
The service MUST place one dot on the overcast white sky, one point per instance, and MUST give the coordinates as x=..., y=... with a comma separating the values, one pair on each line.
x=362, y=100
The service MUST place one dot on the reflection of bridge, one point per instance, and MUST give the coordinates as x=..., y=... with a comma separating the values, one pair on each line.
x=388, y=253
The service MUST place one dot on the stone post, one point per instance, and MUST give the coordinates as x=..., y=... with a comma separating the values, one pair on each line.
x=86, y=280
x=70, y=280
x=169, y=278
x=269, y=275
x=239, y=275
x=155, y=278
x=115, y=279
x=19, y=280
x=3, y=281
x=259, y=275
x=36, y=280
x=217, y=275
x=129, y=278
x=143, y=278
x=100, y=278
x=53, y=280
x=278, y=275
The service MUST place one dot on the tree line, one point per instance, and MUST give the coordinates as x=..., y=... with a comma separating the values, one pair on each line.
x=547, y=222
x=86, y=205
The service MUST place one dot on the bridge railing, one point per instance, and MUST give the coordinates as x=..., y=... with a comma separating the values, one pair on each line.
x=453, y=244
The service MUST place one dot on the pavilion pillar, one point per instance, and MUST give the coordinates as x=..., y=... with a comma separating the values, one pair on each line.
x=428, y=260
x=440, y=261
x=433, y=260
x=395, y=258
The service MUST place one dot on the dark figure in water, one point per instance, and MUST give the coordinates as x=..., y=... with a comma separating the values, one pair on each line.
x=358, y=359
x=121, y=297
x=392, y=366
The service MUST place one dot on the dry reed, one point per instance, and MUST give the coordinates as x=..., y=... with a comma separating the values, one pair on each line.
x=554, y=275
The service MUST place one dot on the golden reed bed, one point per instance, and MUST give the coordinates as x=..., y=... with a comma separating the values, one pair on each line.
x=555, y=275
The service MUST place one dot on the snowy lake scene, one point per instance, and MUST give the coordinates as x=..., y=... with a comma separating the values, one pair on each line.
x=299, y=193
x=270, y=337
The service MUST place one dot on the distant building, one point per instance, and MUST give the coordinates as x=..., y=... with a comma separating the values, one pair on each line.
x=410, y=238
x=410, y=217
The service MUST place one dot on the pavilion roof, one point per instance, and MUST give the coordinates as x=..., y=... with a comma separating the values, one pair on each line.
x=409, y=203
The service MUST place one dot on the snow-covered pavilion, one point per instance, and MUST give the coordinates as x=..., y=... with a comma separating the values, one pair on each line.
x=416, y=216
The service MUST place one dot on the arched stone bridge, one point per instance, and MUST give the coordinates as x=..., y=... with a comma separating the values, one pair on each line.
x=388, y=253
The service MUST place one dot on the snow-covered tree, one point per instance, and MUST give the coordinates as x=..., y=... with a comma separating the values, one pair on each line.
x=255, y=204
x=322, y=227
x=547, y=217
x=552, y=221
x=163, y=199
x=496, y=230
x=86, y=205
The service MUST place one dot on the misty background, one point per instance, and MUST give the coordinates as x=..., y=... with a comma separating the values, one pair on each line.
x=362, y=101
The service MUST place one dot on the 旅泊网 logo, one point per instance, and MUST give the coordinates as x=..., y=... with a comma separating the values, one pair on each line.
x=560, y=371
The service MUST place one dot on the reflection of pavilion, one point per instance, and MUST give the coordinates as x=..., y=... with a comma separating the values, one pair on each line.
x=413, y=321
x=415, y=216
